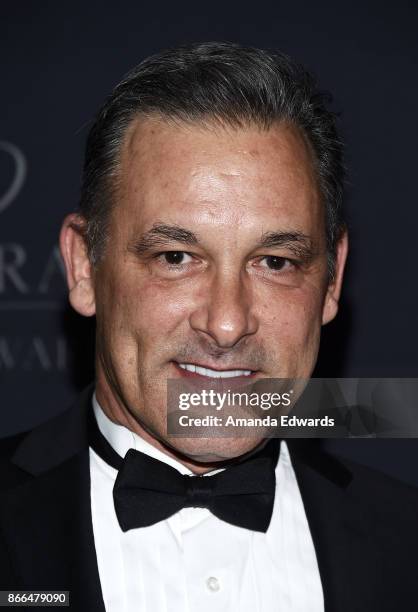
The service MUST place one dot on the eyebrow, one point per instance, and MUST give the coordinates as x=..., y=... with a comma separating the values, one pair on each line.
x=297, y=242
x=161, y=235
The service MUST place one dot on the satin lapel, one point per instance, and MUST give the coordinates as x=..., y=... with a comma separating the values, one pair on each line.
x=340, y=528
x=47, y=520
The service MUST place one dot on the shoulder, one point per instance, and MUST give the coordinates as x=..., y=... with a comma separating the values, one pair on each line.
x=48, y=445
x=10, y=474
x=387, y=505
x=9, y=445
x=384, y=494
x=377, y=494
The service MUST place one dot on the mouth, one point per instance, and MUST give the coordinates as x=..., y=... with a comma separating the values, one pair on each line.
x=199, y=371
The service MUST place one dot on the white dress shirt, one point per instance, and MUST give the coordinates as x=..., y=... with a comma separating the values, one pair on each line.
x=193, y=561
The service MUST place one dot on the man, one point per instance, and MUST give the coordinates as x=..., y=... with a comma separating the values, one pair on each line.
x=210, y=243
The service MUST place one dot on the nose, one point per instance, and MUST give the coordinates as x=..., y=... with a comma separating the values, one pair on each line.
x=225, y=314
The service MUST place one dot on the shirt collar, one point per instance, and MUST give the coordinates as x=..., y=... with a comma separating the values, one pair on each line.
x=122, y=439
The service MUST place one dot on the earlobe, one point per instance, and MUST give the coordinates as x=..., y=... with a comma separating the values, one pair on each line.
x=78, y=268
x=334, y=288
x=330, y=308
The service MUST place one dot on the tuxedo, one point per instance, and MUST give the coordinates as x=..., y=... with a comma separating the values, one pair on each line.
x=364, y=524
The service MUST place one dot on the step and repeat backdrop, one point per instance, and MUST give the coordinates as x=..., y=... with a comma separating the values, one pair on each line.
x=59, y=61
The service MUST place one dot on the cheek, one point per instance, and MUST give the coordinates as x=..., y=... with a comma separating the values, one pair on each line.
x=293, y=317
x=158, y=308
x=142, y=310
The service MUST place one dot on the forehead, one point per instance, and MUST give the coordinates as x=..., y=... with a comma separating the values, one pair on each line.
x=207, y=172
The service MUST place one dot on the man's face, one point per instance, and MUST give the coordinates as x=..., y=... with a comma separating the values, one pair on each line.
x=216, y=258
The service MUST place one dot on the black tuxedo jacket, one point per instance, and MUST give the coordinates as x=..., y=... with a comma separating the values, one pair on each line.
x=364, y=524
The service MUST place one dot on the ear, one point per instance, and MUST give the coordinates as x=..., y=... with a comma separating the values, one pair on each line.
x=77, y=265
x=334, y=288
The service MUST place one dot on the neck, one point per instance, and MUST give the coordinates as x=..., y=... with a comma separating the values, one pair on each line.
x=115, y=409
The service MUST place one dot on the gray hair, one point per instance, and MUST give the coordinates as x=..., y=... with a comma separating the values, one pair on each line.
x=218, y=82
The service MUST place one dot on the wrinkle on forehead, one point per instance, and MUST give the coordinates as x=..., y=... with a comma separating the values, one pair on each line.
x=220, y=175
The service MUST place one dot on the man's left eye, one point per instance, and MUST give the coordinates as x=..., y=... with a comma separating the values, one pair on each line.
x=176, y=258
x=275, y=263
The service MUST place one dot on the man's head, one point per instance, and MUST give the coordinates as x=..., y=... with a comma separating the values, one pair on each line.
x=210, y=231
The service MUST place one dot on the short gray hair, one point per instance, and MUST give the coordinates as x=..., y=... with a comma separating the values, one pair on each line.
x=221, y=82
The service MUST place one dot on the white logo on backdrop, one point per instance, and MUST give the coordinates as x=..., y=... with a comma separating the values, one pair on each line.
x=13, y=256
x=19, y=175
x=46, y=352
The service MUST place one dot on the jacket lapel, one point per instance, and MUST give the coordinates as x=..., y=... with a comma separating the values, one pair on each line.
x=340, y=528
x=51, y=510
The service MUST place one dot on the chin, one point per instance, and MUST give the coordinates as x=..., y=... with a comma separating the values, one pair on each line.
x=213, y=450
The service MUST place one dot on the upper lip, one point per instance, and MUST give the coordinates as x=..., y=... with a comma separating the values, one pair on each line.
x=217, y=369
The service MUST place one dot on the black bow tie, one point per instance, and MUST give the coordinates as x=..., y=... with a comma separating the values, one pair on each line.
x=147, y=491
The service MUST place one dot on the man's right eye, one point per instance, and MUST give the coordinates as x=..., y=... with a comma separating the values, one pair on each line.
x=175, y=258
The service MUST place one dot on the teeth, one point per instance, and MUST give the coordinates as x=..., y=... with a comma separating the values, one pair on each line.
x=190, y=367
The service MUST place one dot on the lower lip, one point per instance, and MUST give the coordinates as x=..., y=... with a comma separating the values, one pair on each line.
x=188, y=374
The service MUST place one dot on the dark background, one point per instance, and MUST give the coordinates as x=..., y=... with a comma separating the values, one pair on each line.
x=60, y=59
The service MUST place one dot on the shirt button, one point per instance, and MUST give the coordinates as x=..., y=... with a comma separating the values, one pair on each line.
x=213, y=584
